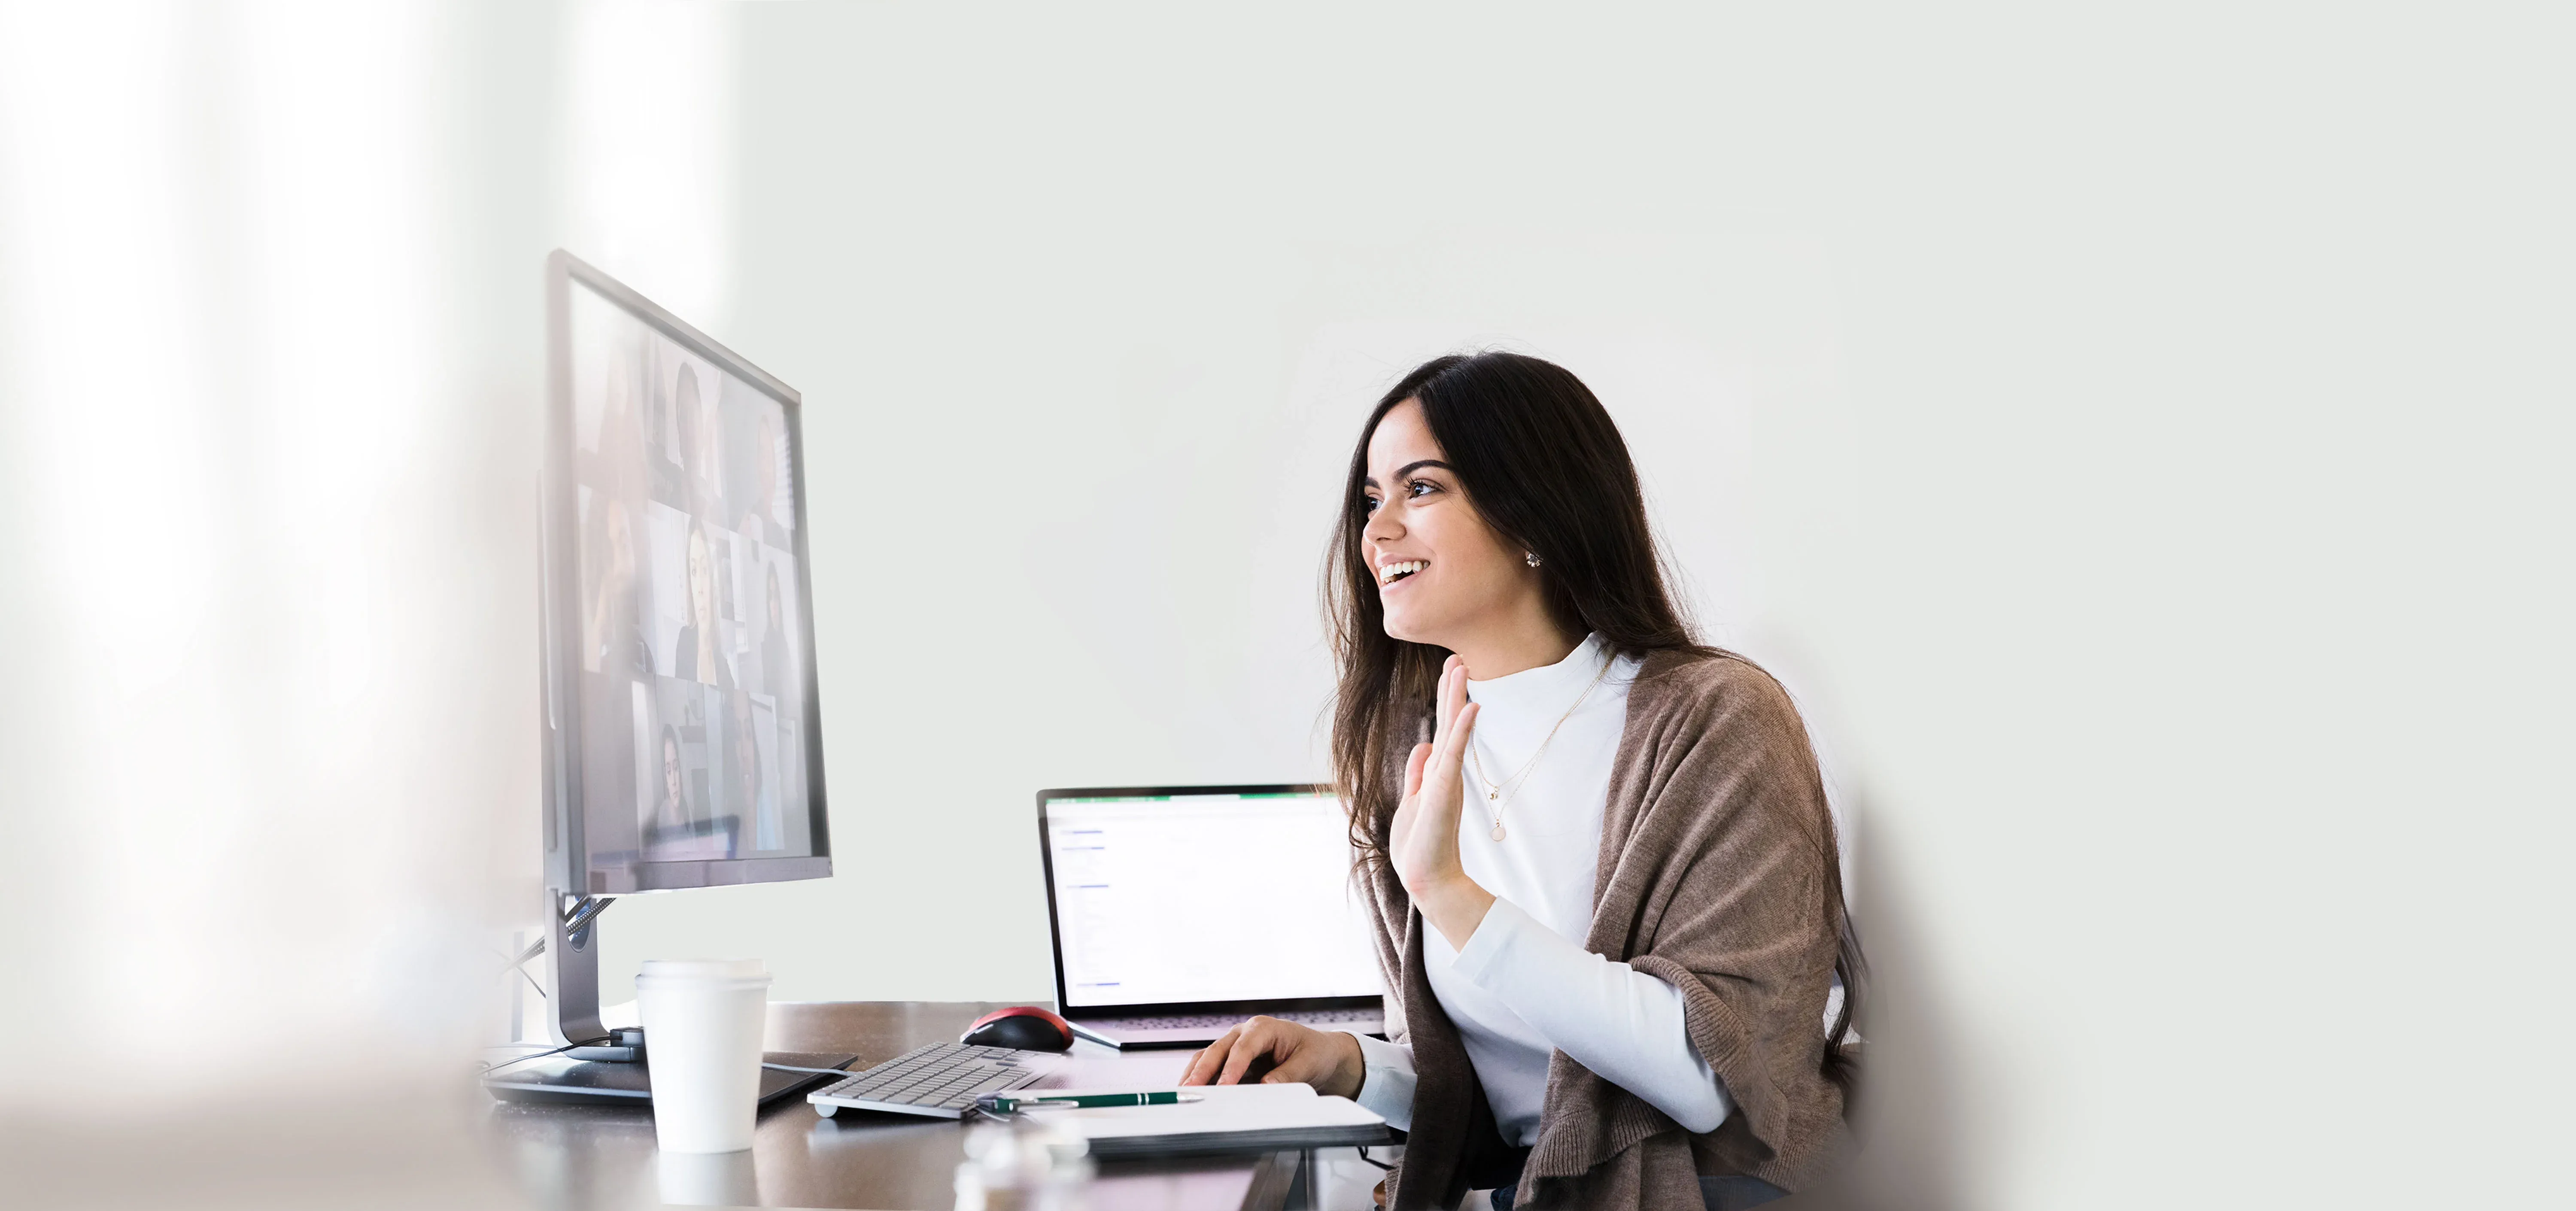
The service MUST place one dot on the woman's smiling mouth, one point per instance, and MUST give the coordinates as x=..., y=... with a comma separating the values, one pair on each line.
x=1390, y=573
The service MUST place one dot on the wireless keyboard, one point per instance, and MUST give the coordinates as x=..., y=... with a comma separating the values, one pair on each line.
x=940, y=1080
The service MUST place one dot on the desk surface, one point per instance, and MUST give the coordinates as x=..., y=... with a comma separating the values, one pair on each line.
x=578, y=1157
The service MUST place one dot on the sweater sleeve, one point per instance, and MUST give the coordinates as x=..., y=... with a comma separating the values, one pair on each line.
x=1387, y=1088
x=1623, y=1024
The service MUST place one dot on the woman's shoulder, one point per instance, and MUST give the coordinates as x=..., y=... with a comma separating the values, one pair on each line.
x=1713, y=684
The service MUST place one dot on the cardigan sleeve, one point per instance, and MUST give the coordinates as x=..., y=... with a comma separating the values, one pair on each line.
x=1745, y=905
x=1718, y=877
x=1386, y=1086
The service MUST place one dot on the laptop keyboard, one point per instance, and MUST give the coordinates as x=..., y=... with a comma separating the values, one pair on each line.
x=941, y=1079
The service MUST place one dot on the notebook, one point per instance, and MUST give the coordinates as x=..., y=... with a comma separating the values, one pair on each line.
x=1230, y=1118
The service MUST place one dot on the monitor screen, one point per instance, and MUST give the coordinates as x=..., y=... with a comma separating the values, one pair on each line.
x=1164, y=899
x=692, y=725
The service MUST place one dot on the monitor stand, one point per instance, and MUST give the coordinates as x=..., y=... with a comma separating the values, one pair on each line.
x=572, y=951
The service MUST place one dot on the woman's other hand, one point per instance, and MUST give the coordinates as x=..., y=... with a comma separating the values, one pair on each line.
x=1423, y=837
x=1328, y=1060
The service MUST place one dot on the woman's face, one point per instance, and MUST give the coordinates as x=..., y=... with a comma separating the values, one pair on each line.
x=671, y=771
x=1441, y=571
x=702, y=588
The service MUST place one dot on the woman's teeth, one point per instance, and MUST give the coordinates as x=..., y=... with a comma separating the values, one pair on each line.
x=1394, y=572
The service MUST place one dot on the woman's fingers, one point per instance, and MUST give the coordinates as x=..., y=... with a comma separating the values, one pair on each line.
x=1413, y=770
x=1298, y=1055
x=1443, y=779
x=1460, y=730
x=1453, y=698
x=1260, y=1038
x=1450, y=754
x=1204, y=1066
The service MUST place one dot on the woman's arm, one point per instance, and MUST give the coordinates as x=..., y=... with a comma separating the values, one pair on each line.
x=1624, y=1025
x=1621, y=1023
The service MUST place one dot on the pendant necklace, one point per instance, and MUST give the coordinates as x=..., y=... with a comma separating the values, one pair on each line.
x=1495, y=798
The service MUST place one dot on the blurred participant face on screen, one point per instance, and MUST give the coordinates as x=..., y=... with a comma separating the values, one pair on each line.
x=674, y=796
x=702, y=590
x=702, y=606
x=698, y=449
x=611, y=611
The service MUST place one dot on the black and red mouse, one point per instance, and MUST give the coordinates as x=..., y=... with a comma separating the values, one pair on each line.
x=1021, y=1027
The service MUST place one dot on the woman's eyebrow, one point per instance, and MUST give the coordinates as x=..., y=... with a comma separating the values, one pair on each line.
x=1410, y=468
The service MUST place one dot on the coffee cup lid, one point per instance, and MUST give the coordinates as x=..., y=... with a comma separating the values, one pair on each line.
x=703, y=969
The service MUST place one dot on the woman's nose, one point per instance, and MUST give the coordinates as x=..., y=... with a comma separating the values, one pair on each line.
x=1382, y=524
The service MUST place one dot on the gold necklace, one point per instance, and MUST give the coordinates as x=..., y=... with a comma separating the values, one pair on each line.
x=1494, y=790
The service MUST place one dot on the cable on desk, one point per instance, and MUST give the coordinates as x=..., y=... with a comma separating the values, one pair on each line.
x=794, y=1068
x=489, y=1069
x=1374, y=1161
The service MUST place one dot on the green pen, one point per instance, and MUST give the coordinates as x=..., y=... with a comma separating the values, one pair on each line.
x=999, y=1104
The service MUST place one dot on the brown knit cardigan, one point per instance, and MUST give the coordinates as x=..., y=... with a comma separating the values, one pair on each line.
x=1717, y=875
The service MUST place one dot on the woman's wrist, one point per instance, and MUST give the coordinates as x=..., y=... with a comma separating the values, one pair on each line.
x=1455, y=906
x=1353, y=1074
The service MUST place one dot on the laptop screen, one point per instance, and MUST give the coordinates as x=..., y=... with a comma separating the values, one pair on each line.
x=1171, y=898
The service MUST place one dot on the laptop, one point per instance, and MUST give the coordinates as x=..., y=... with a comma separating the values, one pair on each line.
x=1179, y=911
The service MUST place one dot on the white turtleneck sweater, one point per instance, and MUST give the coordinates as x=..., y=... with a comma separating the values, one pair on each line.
x=1523, y=986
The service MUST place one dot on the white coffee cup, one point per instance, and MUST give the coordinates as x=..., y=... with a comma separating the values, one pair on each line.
x=703, y=1022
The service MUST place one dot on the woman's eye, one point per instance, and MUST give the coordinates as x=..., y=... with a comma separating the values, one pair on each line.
x=1420, y=487
x=1368, y=504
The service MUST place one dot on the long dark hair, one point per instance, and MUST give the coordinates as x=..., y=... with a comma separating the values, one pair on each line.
x=1541, y=461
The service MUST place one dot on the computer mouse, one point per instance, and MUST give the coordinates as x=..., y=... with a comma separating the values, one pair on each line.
x=1024, y=1027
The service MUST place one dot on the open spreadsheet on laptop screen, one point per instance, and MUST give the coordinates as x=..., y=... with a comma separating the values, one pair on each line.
x=1171, y=899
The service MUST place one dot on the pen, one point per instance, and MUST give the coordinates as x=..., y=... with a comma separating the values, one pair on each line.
x=999, y=1104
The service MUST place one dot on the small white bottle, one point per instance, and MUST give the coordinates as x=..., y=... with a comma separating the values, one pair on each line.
x=1023, y=1165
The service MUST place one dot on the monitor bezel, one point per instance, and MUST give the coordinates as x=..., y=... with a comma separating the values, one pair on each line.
x=568, y=867
x=1055, y=921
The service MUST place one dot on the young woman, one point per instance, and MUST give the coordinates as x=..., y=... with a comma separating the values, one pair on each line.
x=1603, y=876
x=695, y=653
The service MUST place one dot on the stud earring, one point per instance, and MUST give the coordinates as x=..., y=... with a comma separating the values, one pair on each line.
x=1532, y=557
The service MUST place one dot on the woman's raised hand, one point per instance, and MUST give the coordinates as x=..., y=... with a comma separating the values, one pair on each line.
x=1423, y=837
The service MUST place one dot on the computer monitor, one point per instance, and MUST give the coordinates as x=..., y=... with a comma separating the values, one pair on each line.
x=682, y=732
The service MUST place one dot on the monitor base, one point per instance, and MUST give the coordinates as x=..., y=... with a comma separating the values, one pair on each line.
x=568, y=1082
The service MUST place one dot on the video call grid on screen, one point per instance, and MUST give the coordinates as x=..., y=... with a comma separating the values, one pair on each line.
x=1172, y=899
x=694, y=732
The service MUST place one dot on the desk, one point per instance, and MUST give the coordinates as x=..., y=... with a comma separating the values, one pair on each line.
x=578, y=1158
